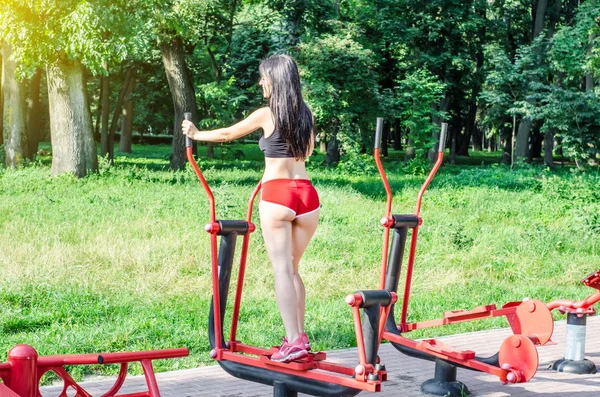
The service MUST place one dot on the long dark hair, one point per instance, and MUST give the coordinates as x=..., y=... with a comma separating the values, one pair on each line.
x=293, y=119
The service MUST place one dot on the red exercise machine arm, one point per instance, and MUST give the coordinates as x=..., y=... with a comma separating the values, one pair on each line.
x=413, y=242
x=435, y=168
x=386, y=221
x=190, y=157
x=212, y=228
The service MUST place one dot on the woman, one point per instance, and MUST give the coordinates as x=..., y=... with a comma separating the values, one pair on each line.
x=289, y=205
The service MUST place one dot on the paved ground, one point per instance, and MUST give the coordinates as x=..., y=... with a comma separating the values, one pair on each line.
x=405, y=374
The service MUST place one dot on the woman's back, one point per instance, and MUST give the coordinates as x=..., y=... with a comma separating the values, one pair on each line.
x=284, y=166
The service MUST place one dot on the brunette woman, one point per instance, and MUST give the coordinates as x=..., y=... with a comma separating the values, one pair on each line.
x=289, y=205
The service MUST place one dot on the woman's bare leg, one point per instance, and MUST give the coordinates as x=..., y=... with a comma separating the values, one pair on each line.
x=276, y=224
x=303, y=228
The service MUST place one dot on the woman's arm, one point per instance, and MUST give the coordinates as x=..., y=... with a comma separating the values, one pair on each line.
x=251, y=123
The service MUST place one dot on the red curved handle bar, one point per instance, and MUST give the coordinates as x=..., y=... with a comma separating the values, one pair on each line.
x=387, y=222
x=211, y=197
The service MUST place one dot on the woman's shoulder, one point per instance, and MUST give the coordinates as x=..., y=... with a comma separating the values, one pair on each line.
x=263, y=112
x=264, y=116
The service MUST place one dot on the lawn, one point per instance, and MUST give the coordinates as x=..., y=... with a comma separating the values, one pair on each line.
x=119, y=260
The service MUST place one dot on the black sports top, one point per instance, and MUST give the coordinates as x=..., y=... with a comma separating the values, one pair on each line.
x=274, y=146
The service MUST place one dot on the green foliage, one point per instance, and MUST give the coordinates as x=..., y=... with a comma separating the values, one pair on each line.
x=416, y=97
x=574, y=116
x=504, y=85
x=219, y=103
x=341, y=87
x=575, y=49
x=93, y=32
x=417, y=166
x=360, y=59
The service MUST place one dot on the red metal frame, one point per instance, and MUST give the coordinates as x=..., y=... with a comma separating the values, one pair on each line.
x=583, y=306
x=537, y=323
x=22, y=373
x=315, y=365
x=242, y=271
x=213, y=229
x=386, y=221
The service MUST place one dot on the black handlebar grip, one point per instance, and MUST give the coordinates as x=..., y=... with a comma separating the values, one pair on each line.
x=443, y=137
x=378, y=131
x=188, y=140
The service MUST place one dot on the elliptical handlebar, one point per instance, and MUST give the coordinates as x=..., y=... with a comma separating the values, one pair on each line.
x=188, y=141
x=436, y=166
x=190, y=157
x=386, y=221
x=378, y=132
x=443, y=137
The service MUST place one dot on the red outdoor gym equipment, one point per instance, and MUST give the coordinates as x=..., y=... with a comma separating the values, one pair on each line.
x=574, y=360
x=22, y=373
x=313, y=375
x=531, y=321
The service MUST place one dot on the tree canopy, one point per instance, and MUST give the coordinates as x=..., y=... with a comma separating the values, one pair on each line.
x=499, y=72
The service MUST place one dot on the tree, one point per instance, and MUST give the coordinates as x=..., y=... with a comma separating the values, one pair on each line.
x=181, y=26
x=16, y=148
x=34, y=113
x=1, y=96
x=522, y=140
x=416, y=98
x=67, y=37
x=341, y=89
x=569, y=107
x=127, y=119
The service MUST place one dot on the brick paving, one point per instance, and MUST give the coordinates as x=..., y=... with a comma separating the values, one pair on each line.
x=405, y=374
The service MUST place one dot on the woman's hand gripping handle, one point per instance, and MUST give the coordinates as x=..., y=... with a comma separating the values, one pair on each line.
x=188, y=117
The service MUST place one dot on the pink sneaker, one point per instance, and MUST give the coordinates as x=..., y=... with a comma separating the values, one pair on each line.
x=304, y=338
x=290, y=351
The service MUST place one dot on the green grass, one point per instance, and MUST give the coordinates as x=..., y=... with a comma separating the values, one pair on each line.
x=119, y=260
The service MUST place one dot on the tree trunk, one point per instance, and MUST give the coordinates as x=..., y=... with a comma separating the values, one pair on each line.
x=535, y=149
x=410, y=150
x=333, y=150
x=127, y=120
x=129, y=76
x=397, y=134
x=522, y=142
x=34, y=115
x=549, y=148
x=99, y=111
x=1, y=97
x=184, y=98
x=73, y=146
x=453, y=138
x=478, y=139
x=105, y=104
x=507, y=148
x=14, y=114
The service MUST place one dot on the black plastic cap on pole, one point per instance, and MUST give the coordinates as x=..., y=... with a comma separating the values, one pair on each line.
x=443, y=137
x=378, y=131
x=188, y=141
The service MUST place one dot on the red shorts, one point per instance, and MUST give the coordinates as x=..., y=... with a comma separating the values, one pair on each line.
x=298, y=195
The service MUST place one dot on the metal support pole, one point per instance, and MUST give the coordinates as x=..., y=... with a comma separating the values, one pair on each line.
x=575, y=361
x=23, y=378
x=280, y=390
x=444, y=382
